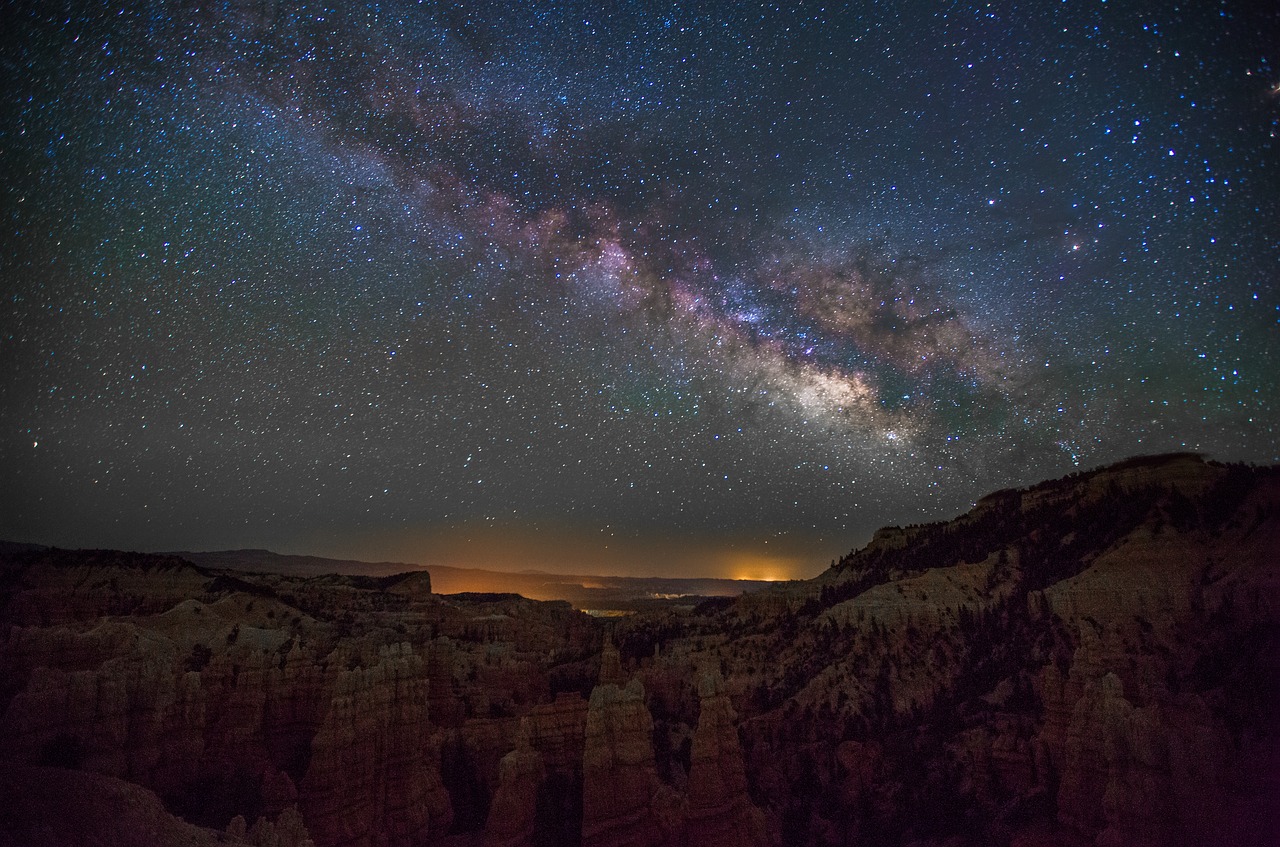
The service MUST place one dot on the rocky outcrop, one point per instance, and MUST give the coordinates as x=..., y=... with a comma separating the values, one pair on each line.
x=445, y=706
x=63, y=587
x=416, y=585
x=134, y=714
x=623, y=802
x=233, y=703
x=611, y=664
x=151, y=715
x=557, y=730
x=513, y=812
x=719, y=812
x=55, y=807
x=1090, y=660
x=1142, y=776
x=373, y=777
x=1134, y=731
x=287, y=830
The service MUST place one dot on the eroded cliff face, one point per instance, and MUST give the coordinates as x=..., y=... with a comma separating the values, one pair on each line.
x=222, y=736
x=374, y=771
x=624, y=804
x=719, y=811
x=1093, y=660
x=1167, y=632
x=285, y=709
x=513, y=815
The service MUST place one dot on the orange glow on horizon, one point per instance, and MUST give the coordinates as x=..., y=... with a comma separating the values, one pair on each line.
x=575, y=552
x=763, y=568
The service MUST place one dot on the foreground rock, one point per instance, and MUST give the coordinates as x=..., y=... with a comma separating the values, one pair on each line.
x=623, y=802
x=513, y=814
x=720, y=812
x=54, y=807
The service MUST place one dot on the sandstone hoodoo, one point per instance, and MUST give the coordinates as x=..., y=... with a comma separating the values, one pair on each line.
x=513, y=813
x=720, y=811
x=623, y=801
x=1091, y=660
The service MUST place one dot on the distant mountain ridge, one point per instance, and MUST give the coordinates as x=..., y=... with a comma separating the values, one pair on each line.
x=582, y=590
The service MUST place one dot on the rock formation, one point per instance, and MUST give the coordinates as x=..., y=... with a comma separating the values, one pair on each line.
x=719, y=811
x=513, y=813
x=287, y=830
x=610, y=663
x=1091, y=660
x=623, y=802
x=372, y=774
x=557, y=730
x=256, y=697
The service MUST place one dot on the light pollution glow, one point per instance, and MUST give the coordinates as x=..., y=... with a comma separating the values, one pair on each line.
x=559, y=551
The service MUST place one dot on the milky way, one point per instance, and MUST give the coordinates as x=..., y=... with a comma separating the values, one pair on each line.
x=668, y=289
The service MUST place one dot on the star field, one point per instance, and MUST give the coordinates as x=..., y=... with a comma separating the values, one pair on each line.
x=659, y=288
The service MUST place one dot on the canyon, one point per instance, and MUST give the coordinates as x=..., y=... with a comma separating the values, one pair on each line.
x=1090, y=660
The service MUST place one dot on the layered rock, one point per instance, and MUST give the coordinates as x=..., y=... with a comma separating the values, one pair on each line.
x=611, y=663
x=1139, y=760
x=623, y=802
x=224, y=704
x=374, y=777
x=719, y=812
x=133, y=715
x=1092, y=660
x=445, y=706
x=557, y=730
x=513, y=812
x=66, y=586
x=1089, y=660
x=1142, y=776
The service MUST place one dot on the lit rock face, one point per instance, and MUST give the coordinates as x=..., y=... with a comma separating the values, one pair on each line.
x=719, y=812
x=229, y=704
x=623, y=802
x=611, y=664
x=557, y=730
x=373, y=769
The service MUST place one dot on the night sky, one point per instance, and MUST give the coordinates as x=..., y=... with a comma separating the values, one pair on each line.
x=666, y=289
